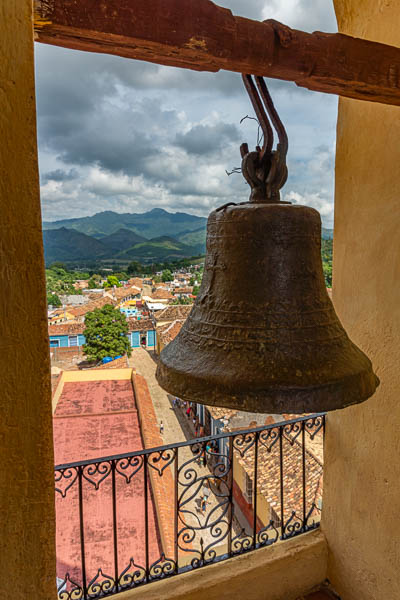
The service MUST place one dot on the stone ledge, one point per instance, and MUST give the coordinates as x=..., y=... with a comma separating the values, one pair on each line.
x=284, y=571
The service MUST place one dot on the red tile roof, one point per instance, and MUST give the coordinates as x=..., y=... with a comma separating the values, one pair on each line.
x=169, y=331
x=173, y=312
x=160, y=294
x=138, y=281
x=80, y=311
x=66, y=329
x=268, y=474
x=183, y=290
x=142, y=325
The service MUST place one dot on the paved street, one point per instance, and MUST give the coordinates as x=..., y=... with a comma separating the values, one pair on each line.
x=176, y=429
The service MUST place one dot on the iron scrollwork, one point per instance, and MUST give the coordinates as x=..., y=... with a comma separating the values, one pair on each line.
x=205, y=499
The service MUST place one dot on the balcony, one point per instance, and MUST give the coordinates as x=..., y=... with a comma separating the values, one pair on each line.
x=129, y=520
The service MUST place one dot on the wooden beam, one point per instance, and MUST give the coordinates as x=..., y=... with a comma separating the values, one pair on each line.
x=197, y=34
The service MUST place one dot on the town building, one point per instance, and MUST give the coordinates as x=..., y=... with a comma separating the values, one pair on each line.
x=142, y=334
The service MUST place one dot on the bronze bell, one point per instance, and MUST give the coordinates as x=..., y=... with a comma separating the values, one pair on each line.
x=263, y=335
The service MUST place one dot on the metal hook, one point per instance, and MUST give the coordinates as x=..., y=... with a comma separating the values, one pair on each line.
x=264, y=169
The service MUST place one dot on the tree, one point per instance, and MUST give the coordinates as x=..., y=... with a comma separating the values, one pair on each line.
x=58, y=265
x=134, y=268
x=92, y=285
x=111, y=281
x=53, y=300
x=121, y=276
x=196, y=289
x=106, y=333
x=167, y=275
x=182, y=300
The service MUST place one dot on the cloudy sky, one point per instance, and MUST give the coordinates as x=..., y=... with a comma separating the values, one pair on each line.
x=129, y=136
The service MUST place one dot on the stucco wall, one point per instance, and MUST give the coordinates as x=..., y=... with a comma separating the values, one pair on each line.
x=362, y=458
x=284, y=571
x=27, y=553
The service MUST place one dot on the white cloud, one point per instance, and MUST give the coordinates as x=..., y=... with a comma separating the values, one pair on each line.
x=317, y=200
x=123, y=135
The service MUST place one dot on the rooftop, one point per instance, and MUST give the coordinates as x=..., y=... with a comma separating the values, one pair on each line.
x=174, y=312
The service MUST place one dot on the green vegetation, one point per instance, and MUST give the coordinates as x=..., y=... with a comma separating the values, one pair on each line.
x=92, y=284
x=166, y=276
x=53, y=300
x=134, y=268
x=111, y=281
x=326, y=254
x=60, y=281
x=183, y=300
x=106, y=333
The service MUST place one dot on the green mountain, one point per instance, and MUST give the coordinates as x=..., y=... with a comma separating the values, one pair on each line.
x=125, y=237
x=327, y=234
x=162, y=248
x=150, y=224
x=66, y=244
x=196, y=238
x=121, y=240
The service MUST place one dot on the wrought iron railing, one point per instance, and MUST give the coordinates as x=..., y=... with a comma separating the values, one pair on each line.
x=127, y=520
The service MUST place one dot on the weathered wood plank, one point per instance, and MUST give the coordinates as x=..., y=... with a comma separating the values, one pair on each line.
x=197, y=34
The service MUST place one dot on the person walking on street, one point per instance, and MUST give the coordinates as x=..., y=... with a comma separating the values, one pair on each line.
x=161, y=427
x=205, y=490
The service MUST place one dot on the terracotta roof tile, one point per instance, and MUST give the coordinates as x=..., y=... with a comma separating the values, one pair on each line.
x=174, y=312
x=161, y=294
x=268, y=473
x=183, y=290
x=80, y=311
x=66, y=329
x=136, y=281
x=169, y=331
x=142, y=325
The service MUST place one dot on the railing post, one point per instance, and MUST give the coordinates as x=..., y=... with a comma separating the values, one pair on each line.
x=115, y=533
x=230, y=497
x=303, y=439
x=176, y=512
x=82, y=533
x=255, y=490
x=146, y=515
x=281, y=481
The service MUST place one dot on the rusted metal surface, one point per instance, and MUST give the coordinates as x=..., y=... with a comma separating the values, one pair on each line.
x=198, y=34
x=265, y=169
x=263, y=335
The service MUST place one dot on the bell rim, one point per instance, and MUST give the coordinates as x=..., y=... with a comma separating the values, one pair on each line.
x=332, y=395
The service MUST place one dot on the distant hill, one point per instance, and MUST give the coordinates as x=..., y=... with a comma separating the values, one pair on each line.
x=150, y=224
x=66, y=244
x=157, y=236
x=163, y=248
x=121, y=240
x=196, y=238
x=327, y=234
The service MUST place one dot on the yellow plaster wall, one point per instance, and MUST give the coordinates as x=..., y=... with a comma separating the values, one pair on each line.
x=97, y=375
x=89, y=375
x=281, y=572
x=27, y=548
x=239, y=474
x=362, y=458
